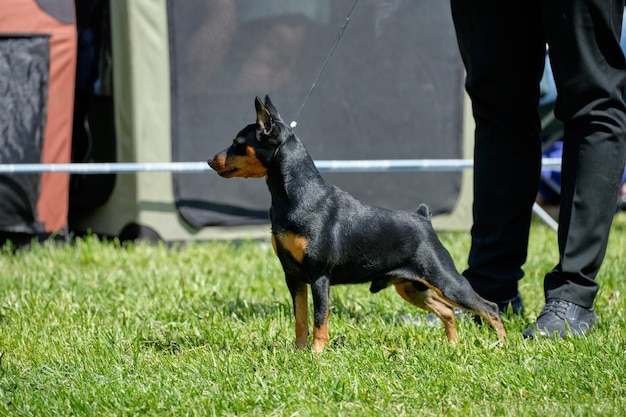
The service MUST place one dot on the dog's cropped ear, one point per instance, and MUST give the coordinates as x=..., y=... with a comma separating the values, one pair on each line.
x=263, y=116
x=270, y=107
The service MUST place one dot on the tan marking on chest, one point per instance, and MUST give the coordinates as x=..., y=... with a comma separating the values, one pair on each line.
x=294, y=244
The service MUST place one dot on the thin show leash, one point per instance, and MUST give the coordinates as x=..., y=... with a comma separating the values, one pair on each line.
x=294, y=122
x=536, y=208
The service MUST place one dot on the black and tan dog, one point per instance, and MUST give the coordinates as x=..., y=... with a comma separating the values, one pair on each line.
x=324, y=236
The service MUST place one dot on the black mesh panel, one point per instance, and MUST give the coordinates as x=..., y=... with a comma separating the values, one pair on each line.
x=392, y=90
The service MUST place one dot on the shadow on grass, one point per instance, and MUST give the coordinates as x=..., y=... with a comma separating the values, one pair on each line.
x=231, y=318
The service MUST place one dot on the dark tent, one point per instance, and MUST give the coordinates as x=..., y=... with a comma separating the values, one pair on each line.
x=186, y=74
x=37, y=65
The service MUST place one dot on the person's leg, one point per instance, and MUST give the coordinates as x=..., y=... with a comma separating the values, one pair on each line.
x=504, y=60
x=590, y=74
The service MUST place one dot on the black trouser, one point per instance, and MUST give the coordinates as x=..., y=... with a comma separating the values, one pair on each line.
x=502, y=44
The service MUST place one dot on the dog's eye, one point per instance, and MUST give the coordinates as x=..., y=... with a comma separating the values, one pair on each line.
x=239, y=142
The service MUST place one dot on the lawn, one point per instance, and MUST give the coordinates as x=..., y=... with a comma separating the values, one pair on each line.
x=206, y=329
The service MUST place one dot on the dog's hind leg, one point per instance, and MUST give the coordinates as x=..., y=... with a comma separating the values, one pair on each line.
x=423, y=297
x=462, y=295
x=488, y=311
x=495, y=321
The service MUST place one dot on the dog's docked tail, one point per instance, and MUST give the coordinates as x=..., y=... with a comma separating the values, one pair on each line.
x=424, y=211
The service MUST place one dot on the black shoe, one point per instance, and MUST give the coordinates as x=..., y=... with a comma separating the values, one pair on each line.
x=512, y=307
x=560, y=318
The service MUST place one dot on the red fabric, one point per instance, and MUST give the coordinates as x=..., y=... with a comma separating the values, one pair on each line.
x=25, y=16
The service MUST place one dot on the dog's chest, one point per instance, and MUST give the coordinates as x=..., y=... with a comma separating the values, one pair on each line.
x=295, y=245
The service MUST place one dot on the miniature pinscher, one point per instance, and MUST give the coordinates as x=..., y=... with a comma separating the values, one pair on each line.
x=323, y=236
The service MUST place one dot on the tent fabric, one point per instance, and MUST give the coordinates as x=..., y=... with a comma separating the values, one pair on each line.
x=29, y=17
x=392, y=90
x=140, y=63
x=93, y=130
x=24, y=77
x=158, y=119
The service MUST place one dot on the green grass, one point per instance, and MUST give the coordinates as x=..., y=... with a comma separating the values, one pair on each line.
x=96, y=329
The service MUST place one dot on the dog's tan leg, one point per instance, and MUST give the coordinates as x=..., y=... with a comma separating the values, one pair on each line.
x=429, y=300
x=495, y=322
x=320, y=291
x=301, y=312
x=320, y=336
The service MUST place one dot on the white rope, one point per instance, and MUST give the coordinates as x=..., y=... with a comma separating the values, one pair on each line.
x=372, y=165
x=294, y=122
x=545, y=217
